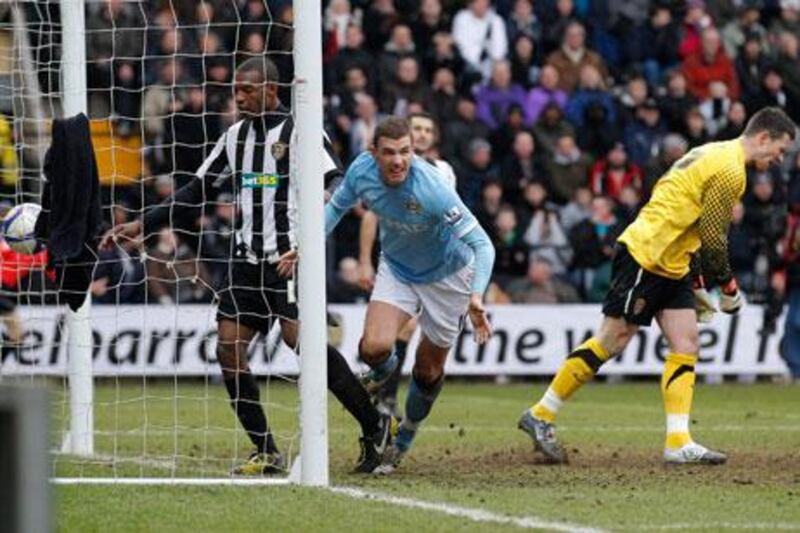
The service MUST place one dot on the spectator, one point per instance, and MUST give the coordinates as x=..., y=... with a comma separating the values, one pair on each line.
x=342, y=103
x=788, y=60
x=610, y=175
x=568, y=169
x=523, y=22
x=593, y=241
x=511, y=253
x=503, y=137
x=634, y=95
x=379, y=19
x=400, y=46
x=736, y=120
x=363, y=129
x=789, y=20
x=765, y=218
x=695, y=128
x=444, y=54
x=695, y=21
x=555, y=22
x=677, y=102
x=591, y=93
x=750, y=66
x=746, y=26
x=551, y=126
x=524, y=69
x=480, y=35
x=159, y=100
x=520, y=167
x=546, y=92
x=544, y=234
x=337, y=18
x=462, y=129
x=659, y=37
x=477, y=170
x=496, y=97
x=630, y=201
x=572, y=56
x=491, y=202
x=174, y=274
x=406, y=88
x=345, y=287
x=715, y=108
x=541, y=287
x=577, y=210
x=429, y=21
x=773, y=94
x=444, y=95
x=790, y=344
x=673, y=147
x=740, y=247
x=708, y=65
x=350, y=55
x=643, y=136
x=216, y=232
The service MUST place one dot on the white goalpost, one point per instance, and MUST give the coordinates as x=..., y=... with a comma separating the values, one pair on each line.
x=139, y=397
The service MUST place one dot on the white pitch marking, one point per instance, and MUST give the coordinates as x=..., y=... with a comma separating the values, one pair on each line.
x=777, y=526
x=470, y=513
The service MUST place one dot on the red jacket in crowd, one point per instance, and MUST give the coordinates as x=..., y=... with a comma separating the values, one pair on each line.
x=604, y=181
x=700, y=73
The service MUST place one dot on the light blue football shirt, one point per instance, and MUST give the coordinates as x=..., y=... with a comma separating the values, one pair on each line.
x=424, y=224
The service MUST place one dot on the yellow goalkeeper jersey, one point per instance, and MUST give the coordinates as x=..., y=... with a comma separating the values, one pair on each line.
x=691, y=206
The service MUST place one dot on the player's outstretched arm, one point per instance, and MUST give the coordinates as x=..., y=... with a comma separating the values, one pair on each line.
x=484, y=261
x=719, y=200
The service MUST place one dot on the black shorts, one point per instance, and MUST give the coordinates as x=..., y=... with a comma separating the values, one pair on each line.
x=7, y=305
x=637, y=295
x=255, y=296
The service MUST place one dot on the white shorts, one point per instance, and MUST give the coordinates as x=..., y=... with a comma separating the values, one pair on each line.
x=441, y=305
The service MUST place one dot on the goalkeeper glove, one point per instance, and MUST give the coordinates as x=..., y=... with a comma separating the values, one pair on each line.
x=703, y=303
x=730, y=298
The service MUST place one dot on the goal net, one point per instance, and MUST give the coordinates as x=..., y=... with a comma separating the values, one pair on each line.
x=159, y=93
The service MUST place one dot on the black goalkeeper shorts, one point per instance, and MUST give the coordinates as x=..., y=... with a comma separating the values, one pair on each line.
x=7, y=305
x=255, y=296
x=637, y=295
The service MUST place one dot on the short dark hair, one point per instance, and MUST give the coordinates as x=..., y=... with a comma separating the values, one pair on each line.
x=426, y=116
x=774, y=121
x=391, y=128
x=263, y=66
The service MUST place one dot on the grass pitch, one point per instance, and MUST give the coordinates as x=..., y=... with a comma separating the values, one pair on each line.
x=468, y=454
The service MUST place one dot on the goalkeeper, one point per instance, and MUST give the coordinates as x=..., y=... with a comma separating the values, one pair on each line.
x=690, y=210
x=254, y=154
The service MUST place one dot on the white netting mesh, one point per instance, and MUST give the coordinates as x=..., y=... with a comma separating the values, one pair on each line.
x=160, y=94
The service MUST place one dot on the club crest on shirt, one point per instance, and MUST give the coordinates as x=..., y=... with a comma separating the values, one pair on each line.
x=278, y=150
x=413, y=205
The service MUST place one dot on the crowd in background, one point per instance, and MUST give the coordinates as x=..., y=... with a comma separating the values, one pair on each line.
x=558, y=116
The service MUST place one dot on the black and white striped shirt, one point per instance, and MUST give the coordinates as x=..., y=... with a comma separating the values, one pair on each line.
x=256, y=154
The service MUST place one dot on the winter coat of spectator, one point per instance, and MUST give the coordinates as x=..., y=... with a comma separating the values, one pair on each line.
x=511, y=252
x=577, y=210
x=480, y=35
x=572, y=56
x=524, y=68
x=632, y=96
x=593, y=242
x=773, y=94
x=695, y=128
x=708, y=65
x=159, y=100
x=544, y=234
x=736, y=121
x=695, y=20
x=546, y=92
x=550, y=127
x=610, y=175
x=477, y=170
x=740, y=245
x=350, y=55
x=628, y=205
x=335, y=21
x=521, y=166
x=523, y=21
x=591, y=92
x=642, y=137
x=567, y=168
x=502, y=139
x=658, y=37
x=363, y=128
x=715, y=108
x=750, y=65
x=540, y=286
x=788, y=60
x=400, y=46
x=344, y=287
x=462, y=129
x=496, y=97
x=430, y=20
x=406, y=88
x=676, y=102
x=747, y=25
x=174, y=274
x=598, y=133
x=444, y=95
x=555, y=16
x=491, y=202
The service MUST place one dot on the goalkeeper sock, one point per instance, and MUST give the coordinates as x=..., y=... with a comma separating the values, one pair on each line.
x=580, y=366
x=246, y=403
x=418, y=405
x=350, y=393
x=677, y=388
x=390, y=388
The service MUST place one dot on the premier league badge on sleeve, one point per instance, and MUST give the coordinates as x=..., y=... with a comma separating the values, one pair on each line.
x=278, y=150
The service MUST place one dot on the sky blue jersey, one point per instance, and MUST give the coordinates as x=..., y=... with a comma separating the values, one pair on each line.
x=426, y=231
